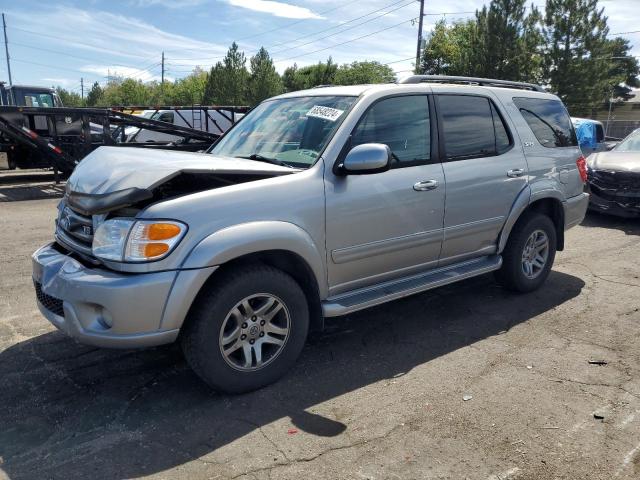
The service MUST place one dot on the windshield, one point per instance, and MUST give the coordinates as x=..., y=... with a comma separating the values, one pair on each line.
x=292, y=131
x=629, y=144
x=38, y=99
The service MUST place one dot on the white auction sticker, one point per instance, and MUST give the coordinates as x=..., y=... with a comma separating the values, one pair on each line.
x=325, y=113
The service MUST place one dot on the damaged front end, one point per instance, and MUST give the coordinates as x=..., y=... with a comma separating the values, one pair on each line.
x=137, y=180
x=615, y=192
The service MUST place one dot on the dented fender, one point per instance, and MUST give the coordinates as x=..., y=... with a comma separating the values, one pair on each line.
x=259, y=236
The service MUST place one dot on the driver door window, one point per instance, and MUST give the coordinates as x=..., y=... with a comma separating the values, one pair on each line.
x=401, y=123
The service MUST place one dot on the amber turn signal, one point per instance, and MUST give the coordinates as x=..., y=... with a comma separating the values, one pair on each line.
x=152, y=250
x=162, y=231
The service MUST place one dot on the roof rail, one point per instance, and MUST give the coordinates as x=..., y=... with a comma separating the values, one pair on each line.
x=484, y=82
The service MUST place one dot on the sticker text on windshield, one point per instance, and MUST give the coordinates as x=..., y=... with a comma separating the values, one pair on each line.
x=325, y=113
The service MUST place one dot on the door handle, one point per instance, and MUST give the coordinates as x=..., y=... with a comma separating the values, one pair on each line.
x=425, y=185
x=516, y=172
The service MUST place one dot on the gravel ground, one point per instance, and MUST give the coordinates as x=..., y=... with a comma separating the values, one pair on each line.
x=380, y=394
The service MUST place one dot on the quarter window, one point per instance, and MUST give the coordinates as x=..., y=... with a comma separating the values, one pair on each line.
x=472, y=127
x=549, y=121
x=401, y=123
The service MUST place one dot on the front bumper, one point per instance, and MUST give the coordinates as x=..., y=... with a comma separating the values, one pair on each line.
x=111, y=309
x=625, y=207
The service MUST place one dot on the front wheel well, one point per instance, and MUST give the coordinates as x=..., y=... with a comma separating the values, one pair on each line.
x=553, y=209
x=290, y=263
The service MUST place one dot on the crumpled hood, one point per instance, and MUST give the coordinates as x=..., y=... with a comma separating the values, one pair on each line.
x=111, y=169
x=615, y=161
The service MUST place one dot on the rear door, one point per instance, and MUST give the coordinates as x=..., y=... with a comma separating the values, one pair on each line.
x=484, y=171
x=553, y=148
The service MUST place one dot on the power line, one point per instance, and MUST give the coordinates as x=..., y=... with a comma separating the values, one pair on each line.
x=80, y=43
x=383, y=8
x=314, y=33
x=48, y=66
x=341, y=26
x=286, y=25
x=341, y=31
x=299, y=21
x=398, y=61
x=345, y=42
x=33, y=47
x=625, y=33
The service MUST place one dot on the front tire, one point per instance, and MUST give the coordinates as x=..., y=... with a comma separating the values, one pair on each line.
x=246, y=329
x=529, y=254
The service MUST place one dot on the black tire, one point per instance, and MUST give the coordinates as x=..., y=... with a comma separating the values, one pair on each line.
x=511, y=275
x=200, y=335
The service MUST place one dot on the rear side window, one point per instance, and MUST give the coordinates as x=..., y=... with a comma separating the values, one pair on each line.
x=401, y=123
x=472, y=127
x=549, y=121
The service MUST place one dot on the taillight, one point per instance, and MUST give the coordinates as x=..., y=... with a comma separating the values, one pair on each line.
x=581, y=162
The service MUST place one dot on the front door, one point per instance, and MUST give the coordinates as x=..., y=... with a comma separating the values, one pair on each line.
x=386, y=225
x=485, y=170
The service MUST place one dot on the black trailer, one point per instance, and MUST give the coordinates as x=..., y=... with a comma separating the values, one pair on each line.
x=61, y=137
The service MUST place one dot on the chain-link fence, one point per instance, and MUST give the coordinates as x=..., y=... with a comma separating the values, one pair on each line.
x=619, y=128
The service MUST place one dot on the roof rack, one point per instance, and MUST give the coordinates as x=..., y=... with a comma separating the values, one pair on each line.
x=484, y=82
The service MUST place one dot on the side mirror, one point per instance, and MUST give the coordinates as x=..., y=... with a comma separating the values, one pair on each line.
x=367, y=158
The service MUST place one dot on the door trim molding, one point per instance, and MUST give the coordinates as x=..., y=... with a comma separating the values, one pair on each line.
x=380, y=247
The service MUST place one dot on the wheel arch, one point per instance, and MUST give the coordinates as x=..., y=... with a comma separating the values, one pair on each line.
x=546, y=202
x=279, y=244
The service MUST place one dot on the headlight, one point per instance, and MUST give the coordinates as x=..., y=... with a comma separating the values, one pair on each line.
x=127, y=240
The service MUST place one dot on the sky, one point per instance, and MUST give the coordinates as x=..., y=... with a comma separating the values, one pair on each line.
x=60, y=42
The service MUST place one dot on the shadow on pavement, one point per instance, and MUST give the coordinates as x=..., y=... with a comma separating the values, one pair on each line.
x=630, y=226
x=31, y=192
x=70, y=411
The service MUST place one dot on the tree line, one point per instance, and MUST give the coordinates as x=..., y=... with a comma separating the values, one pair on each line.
x=565, y=47
x=230, y=82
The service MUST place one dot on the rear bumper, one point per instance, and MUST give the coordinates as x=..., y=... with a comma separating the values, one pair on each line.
x=623, y=208
x=575, y=208
x=111, y=309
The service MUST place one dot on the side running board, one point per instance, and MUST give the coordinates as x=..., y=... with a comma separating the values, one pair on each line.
x=403, y=287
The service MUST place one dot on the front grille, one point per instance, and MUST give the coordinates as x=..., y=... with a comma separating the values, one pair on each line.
x=52, y=304
x=615, y=186
x=75, y=231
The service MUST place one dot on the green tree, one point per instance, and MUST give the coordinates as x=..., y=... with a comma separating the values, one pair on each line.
x=623, y=68
x=264, y=81
x=69, y=99
x=188, y=90
x=363, y=72
x=577, y=60
x=447, y=50
x=292, y=80
x=228, y=80
x=506, y=41
x=295, y=78
x=94, y=97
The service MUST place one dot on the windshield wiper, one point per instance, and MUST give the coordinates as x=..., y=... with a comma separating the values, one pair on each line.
x=260, y=158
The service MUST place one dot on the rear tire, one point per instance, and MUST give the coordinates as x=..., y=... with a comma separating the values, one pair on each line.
x=529, y=254
x=246, y=329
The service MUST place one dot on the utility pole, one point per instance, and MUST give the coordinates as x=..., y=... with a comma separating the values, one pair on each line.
x=419, y=36
x=82, y=88
x=606, y=130
x=162, y=77
x=6, y=48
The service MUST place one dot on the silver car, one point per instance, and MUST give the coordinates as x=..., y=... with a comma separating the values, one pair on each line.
x=318, y=203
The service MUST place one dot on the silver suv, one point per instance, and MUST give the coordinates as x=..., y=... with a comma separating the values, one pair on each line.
x=316, y=204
